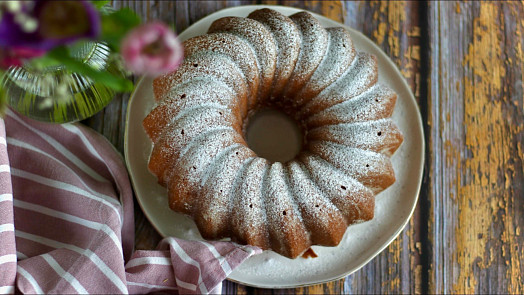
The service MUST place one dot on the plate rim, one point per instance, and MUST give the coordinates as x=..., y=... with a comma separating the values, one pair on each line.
x=410, y=98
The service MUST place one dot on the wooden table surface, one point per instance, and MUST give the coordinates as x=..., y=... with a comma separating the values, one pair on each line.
x=464, y=62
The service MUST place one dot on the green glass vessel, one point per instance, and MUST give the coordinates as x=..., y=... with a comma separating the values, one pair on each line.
x=58, y=95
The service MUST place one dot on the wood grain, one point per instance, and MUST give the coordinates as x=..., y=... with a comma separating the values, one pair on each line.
x=396, y=28
x=464, y=62
x=476, y=119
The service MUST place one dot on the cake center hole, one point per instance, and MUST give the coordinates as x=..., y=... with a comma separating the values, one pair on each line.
x=273, y=135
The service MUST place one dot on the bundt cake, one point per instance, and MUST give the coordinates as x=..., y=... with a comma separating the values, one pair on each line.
x=315, y=76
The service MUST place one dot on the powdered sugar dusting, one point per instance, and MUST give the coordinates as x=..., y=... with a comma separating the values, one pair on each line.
x=213, y=207
x=339, y=56
x=193, y=89
x=381, y=136
x=372, y=169
x=172, y=149
x=206, y=64
x=195, y=122
x=360, y=77
x=313, y=48
x=186, y=96
x=166, y=114
x=375, y=103
x=248, y=216
x=171, y=144
x=288, y=235
x=185, y=177
x=325, y=222
x=201, y=156
x=288, y=39
x=352, y=198
x=235, y=48
x=262, y=41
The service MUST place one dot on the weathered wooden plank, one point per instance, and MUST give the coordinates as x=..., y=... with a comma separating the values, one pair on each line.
x=331, y=9
x=188, y=12
x=396, y=27
x=477, y=121
x=327, y=288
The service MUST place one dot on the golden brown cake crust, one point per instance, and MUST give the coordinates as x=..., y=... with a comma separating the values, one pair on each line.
x=316, y=77
x=235, y=48
x=312, y=51
x=287, y=38
x=262, y=41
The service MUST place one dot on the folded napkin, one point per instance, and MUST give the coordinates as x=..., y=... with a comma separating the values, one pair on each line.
x=66, y=221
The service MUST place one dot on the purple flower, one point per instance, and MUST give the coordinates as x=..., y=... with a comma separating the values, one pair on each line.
x=55, y=23
x=151, y=49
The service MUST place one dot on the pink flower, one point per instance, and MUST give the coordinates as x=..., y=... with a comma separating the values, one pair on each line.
x=152, y=49
x=17, y=56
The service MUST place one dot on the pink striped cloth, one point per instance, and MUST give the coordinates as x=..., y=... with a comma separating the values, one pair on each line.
x=66, y=221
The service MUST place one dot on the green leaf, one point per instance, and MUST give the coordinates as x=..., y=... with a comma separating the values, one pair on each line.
x=62, y=55
x=43, y=62
x=116, y=25
x=100, y=3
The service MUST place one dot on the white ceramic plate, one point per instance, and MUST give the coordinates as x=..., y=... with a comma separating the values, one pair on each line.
x=361, y=243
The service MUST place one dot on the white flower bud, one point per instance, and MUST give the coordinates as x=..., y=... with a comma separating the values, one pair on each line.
x=48, y=81
x=13, y=6
x=61, y=90
x=30, y=25
x=45, y=103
